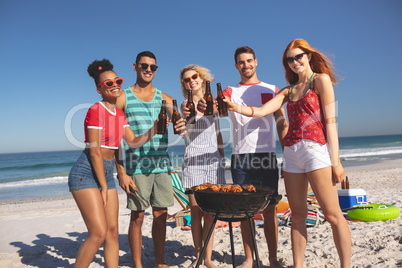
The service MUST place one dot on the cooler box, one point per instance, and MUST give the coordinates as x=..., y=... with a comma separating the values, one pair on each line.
x=351, y=197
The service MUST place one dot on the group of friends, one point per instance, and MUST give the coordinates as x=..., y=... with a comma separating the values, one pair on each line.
x=309, y=142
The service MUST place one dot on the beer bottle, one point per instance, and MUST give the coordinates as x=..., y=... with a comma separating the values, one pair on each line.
x=347, y=182
x=162, y=119
x=223, y=110
x=343, y=184
x=175, y=116
x=209, y=99
x=191, y=106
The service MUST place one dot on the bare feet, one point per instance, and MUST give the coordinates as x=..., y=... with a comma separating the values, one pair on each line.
x=275, y=264
x=194, y=264
x=162, y=265
x=247, y=264
x=209, y=264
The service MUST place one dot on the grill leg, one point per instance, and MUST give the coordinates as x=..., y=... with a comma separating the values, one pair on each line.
x=232, y=244
x=206, y=241
x=257, y=258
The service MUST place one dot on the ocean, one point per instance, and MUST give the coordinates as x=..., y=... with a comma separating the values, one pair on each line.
x=36, y=174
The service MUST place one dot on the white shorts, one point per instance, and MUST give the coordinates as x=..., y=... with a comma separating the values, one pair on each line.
x=305, y=156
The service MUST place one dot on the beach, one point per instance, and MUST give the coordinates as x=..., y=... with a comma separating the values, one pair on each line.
x=48, y=231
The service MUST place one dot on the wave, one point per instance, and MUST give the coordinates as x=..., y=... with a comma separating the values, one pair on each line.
x=380, y=151
x=38, y=182
x=35, y=182
x=363, y=154
x=38, y=166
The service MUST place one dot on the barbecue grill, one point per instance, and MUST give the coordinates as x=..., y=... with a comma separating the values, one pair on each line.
x=233, y=207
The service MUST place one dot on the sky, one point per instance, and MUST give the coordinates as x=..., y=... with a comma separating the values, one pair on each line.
x=46, y=47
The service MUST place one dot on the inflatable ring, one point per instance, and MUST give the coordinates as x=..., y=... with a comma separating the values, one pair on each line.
x=379, y=212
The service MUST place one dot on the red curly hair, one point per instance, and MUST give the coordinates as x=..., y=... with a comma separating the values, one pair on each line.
x=319, y=62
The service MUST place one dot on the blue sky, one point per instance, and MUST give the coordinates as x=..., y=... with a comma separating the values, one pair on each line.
x=46, y=47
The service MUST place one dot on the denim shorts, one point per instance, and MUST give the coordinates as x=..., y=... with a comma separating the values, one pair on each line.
x=82, y=175
x=259, y=169
x=255, y=168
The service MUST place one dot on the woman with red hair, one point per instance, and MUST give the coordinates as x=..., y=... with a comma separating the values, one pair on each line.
x=311, y=149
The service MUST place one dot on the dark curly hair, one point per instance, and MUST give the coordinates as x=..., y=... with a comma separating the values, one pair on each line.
x=97, y=67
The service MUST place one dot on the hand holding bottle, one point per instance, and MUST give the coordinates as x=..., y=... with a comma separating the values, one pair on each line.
x=201, y=105
x=175, y=117
x=223, y=111
x=209, y=100
x=191, y=108
x=162, y=124
x=185, y=112
x=230, y=105
x=179, y=125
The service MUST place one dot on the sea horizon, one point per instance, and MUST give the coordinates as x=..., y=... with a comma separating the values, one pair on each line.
x=78, y=149
x=34, y=174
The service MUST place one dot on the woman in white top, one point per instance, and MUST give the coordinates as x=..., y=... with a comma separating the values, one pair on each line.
x=204, y=156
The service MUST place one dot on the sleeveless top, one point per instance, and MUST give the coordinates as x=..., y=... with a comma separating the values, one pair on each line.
x=153, y=156
x=306, y=120
x=202, y=161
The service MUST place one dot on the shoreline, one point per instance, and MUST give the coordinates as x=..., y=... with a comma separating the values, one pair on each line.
x=47, y=231
x=348, y=165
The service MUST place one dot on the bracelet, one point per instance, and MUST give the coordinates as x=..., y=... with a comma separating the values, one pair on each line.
x=330, y=120
x=252, y=111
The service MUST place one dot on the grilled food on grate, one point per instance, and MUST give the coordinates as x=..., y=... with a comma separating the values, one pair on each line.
x=216, y=187
x=236, y=189
x=249, y=187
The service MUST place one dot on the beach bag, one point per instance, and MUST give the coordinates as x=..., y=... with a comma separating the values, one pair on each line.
x=314, y=217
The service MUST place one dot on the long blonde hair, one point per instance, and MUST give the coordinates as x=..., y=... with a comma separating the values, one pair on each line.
x=319, y=63
x=202, y=71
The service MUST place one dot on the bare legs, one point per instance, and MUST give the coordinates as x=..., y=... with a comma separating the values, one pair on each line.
x=135, y=236
x=102, y=225
x=111, y=244
x=296, y=189
x=158, y=235
x=271, y=235
x=247, y=244
x=200, y=232
x=326, y=192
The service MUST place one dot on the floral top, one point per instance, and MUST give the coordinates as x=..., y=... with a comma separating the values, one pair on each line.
x=305, y=120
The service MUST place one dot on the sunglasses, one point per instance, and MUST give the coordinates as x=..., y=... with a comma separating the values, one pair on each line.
x=145, y=66
x=297, y=57
x=188, y=79
x=110, y=83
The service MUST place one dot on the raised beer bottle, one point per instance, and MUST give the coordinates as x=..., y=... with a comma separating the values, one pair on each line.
x=175, y=116
x=191, y=107
x=162, y=119
x=209, y=99
x=223, y=110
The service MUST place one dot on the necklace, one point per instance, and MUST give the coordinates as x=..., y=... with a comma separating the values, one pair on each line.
x=309, y=87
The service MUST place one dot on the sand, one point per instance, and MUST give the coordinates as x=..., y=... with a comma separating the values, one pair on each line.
x=47, y=232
